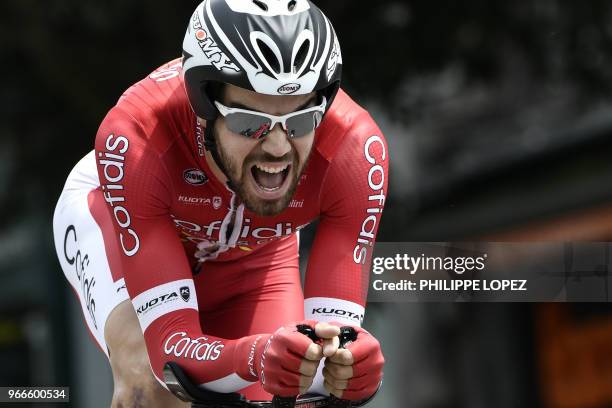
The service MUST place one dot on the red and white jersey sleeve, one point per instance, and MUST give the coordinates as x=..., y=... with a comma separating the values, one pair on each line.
x=152, y=259
x=352, y=199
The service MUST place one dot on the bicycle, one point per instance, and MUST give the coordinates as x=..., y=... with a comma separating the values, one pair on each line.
x=181, y=386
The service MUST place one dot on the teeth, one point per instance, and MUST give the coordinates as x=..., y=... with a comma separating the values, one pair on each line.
x=271, y=170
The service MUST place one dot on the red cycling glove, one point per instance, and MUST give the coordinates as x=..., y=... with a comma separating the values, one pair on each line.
x=368, y=362
x=274, y=359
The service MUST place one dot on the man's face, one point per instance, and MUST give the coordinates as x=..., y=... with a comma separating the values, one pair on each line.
x=264, y=172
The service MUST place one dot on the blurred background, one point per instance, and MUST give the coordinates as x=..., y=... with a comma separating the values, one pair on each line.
x=498, y=115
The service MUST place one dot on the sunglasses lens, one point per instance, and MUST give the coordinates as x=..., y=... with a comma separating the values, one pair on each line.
x=248, y=125
x=302, y=124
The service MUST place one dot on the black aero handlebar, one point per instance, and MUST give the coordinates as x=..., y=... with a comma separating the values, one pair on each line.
x=181, y=386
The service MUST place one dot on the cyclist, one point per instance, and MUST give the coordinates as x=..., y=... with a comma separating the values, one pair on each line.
x=179, y=232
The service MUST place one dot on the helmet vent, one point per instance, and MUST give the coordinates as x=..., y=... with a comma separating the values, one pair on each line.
x=269, y=56
x=261, y=5
x=291, y=5
x=300, y=56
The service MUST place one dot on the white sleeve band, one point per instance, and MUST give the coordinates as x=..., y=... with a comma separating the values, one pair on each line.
x=163, y=299
x=333, y=310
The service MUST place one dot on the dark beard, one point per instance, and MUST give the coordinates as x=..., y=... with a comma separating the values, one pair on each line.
x=251, y=202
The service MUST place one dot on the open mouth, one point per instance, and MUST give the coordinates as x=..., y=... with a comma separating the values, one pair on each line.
x=271, y=180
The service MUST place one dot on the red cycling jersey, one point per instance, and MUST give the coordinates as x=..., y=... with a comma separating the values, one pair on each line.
x=165, y=218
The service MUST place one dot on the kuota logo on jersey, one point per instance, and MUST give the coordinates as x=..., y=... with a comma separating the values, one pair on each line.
x=337, y=312
x=156, y=302
x=194, y=200
x=200, y=349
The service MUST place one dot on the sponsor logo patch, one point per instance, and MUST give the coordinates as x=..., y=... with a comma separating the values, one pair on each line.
x=80, y=261
x=296, y=203
x=334, y=311
x=111, y=164
x=335, y=58
x=156, y=302
x=289, y=89
x=375, y=154
x=195, y=177
x=200, y=35
x=185, y=293
x=200, y=349
x=210, y=48
x=194, y=200
x=210, y=232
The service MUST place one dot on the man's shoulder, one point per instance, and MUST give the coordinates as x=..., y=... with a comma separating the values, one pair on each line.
x=345, y=123
x=159, y=102
x=357, y=162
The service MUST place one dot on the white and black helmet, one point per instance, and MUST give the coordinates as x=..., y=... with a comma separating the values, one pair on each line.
x=273, y=47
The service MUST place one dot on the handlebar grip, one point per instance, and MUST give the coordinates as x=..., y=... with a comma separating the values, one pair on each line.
x=347, y=336
x=308, y=332
x=335, y=402
x=283, y=402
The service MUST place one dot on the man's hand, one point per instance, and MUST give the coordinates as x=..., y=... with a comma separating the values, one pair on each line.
x=287, y=361
x=354, y=373
x=310, y=363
